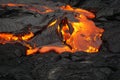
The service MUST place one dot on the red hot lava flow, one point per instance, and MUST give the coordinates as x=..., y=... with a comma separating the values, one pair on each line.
x=80, y=35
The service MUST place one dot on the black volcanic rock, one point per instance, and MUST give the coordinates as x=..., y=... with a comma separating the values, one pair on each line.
x=9, y=51
x=19, y=1
x=115, y=76
x=112, y=36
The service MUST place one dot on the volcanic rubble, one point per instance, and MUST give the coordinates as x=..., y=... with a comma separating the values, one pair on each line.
x=103, y=65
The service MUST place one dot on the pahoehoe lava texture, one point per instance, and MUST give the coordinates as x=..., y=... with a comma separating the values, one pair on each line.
x=105, y=65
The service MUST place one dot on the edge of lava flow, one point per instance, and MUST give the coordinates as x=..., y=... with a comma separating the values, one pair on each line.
x=80, y=35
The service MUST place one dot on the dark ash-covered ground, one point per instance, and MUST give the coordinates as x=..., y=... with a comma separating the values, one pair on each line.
x=105, y=65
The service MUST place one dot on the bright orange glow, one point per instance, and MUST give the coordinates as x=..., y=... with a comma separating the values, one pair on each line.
x=84, y=36
x=27, y=36
x=31, y=51
x=91, y=49
x=67, y=7
x=65, y=32
x=58, y=49
x=8, y=37
x=78, y=34
x=53, y=23
x=78, y=10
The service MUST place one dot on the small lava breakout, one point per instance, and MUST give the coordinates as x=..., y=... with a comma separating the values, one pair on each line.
x=74, y=28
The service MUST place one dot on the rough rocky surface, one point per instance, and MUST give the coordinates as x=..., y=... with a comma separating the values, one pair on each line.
x=105, y=65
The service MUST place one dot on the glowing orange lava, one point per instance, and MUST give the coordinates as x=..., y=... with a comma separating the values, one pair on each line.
x=8, y=37
x=78, y=10
x=80, y=35
x=84, y=35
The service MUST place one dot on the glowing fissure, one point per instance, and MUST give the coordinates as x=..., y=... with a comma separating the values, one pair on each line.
x=80, y=35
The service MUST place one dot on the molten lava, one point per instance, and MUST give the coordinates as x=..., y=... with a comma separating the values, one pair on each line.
x=8, y=37
x=79, y=34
